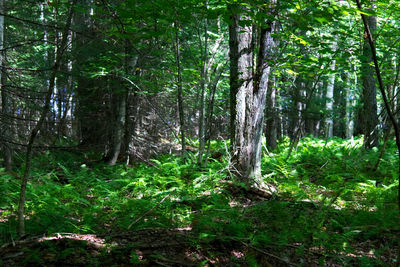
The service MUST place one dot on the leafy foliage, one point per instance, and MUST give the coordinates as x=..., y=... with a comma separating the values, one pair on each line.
x=330, y=203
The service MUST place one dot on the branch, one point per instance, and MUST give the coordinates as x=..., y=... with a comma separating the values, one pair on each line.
x=150, y=210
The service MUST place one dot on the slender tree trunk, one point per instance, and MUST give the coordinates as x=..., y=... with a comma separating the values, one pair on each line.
x=210, y=110
x=329, y=97
x=296, y=113
x=36, y=129
x=339, y=109
x=180, y=91
x=118, y=130
x=369, y=110
x=271, y=132
x=6, y=125
x=349, y=108
x=203, y=82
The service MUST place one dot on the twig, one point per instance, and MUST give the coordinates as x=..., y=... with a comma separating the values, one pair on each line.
x=150, y=210
x=268, y=254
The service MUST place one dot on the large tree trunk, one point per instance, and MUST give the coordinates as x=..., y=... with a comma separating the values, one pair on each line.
x=90, y=97
x=369, y=109
x=248, y=95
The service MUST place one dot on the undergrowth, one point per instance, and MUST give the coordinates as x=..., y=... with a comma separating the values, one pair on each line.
x=331, y=204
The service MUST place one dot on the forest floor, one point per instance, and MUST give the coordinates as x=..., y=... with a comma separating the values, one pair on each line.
x=331, y=209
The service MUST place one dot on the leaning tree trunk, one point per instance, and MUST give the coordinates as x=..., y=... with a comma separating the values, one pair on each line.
x=248, y=95
x=36, y=129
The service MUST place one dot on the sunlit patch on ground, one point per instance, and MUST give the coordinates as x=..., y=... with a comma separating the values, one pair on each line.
x=90, y=239
x=4, y=215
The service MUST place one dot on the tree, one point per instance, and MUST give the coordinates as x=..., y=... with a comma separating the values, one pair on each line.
x=6, y=125
x=247, y=94
x=369, y=104
x=329, y=97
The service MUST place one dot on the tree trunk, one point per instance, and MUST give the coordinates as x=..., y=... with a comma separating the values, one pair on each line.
x=203, y=82
x=36, y=129
x=271, y=132
x=349, y=107
x=339, y=110
x=248, y=95
x=210, y=109
x=120, y=130
x=5, y=105
x=180, y=93
x=90, y=108
x=369, y=109
x=329, y=99
x=296, y=113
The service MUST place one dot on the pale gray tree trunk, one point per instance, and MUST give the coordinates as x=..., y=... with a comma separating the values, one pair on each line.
x=329, y=98
x=248, y=95
x=350, y=103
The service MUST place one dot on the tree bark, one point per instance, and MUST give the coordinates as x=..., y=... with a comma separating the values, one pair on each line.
x=203, y=82
x=248, y=95
x=271, y=132
x=90, y=111
x=329, y=98
x=5, y=105
x=180, y=91
x=339, y=109
x=369, y=109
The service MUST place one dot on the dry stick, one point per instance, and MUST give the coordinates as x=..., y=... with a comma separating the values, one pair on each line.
x=150, y=210
x=268, y=254
x=35, y=131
